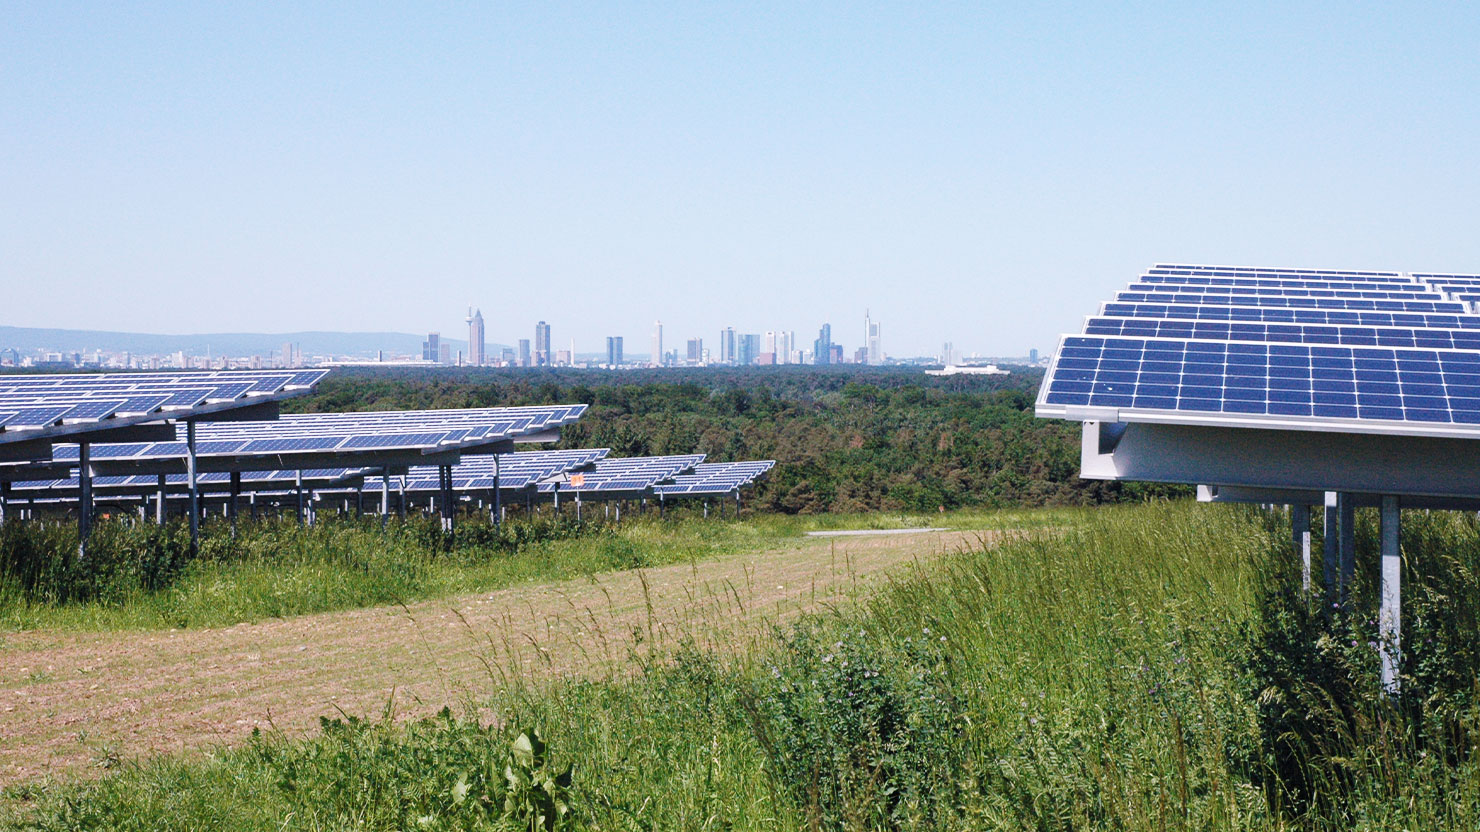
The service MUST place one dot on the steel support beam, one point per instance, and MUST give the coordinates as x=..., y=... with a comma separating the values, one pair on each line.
x=1389, y=617
x=298, y=493
x=1330, y=546
x=498, y=499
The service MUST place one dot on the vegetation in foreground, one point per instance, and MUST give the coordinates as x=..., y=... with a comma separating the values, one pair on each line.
x=140, y=576
x=1146, y=668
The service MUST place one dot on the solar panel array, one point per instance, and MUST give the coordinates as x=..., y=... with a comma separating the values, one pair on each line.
x=715, y=478
x=627, y=474
x=40, y=405
x=1393, y=360
x=208, y=482
x=515, y=471
x=412, y=430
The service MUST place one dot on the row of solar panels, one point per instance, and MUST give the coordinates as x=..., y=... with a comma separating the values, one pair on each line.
x=1229, y=345
x=586, y=471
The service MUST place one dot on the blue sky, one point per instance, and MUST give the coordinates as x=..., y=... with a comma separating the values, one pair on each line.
x=983, y=174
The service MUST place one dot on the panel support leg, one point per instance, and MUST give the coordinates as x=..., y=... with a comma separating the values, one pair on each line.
x=498, y=495
x=192, y=485
x=1300, y=531
x=159, y=505
x=1347, y=507
x=298, y=492
x=1389, y=618
x=385, y=497
x=1330, y=547
x=578, y=506
x=85, y=498
x=236, y=494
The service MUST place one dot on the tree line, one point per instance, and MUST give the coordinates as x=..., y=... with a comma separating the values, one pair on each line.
x=844, y=438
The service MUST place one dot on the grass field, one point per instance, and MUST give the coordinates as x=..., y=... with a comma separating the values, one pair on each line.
x=1150, y=667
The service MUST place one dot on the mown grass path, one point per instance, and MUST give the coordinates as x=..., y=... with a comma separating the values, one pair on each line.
x=70, y=701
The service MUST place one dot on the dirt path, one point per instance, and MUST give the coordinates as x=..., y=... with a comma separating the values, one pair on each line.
x=68, y=700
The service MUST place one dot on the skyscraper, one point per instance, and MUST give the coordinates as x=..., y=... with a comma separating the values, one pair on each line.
x=542, y=354
x=431, y=348
x=614, y=350
x=696, y=350
x=656, y=358
x=524, y=352
x=948, y=354
x=727, y=345
x=783, y=346
x=872, y=339
x=476, y=355
x=748, y=348
x=822, y=349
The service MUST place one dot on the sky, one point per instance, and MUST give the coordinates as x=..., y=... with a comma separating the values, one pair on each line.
x=983, y=174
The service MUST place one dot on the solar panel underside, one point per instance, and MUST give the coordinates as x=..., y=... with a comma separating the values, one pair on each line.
x=1215, y=356
x=515, y=470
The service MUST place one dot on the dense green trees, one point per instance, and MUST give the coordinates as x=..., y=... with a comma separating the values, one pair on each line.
x=844, y=438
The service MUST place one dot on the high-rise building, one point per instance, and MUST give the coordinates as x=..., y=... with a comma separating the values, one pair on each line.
x=656, y=356
x=476, y=346
x=1033, y=356
x=948, y=354
x=431, y=348
x=727, y=345
x=696, y=350
x=822, y=348
x=542, y=354
x=524, y=357
x=837, y=354
x=873, y=340
x=614, y=350
x=783, y=347
x=748, y=349
x=444, y=355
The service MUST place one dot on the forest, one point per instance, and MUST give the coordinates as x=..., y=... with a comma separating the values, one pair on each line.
x=845, y=438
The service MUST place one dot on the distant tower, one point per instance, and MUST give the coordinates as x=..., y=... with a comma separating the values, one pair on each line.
x=872, y=339
x=727, y=345
x=476, y=355
x=657, y=356
x=524, y=352
x=614, y=350
x=822, y=349
x=431, y=348
x=542, y=355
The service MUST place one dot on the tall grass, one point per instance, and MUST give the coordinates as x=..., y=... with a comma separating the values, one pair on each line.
x=1143, y=668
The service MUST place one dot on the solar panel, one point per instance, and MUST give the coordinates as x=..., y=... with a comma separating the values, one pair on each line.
x=1301, y=316
x=1294, y=302
x=628, y=474
x=1241, y=271
x=516, y=471
x=1416, y=293
x=94, y=401
x=1287, y=282
x=1286, y=333
x=715, y=478
x=1235, y=356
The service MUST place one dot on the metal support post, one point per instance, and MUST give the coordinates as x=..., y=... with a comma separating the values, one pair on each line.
x=159, y=506
x=85, y=498
x=706, y=508
x=236, y=493
x=385, y=497
x=192, y=484
x=401, y=501
x=1300, y=530
x=1347, y=507
x=4, y=498
x=498, y=495
x=578, y=506
x=1389, y=617
x=1331, y=546
x=619, y=514
x=448, y=528
x=298, y=491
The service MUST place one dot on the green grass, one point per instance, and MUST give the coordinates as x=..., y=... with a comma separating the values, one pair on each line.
x=1141, y=668
x=137, y=577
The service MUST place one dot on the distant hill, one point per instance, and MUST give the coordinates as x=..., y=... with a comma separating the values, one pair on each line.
x=360, y=344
